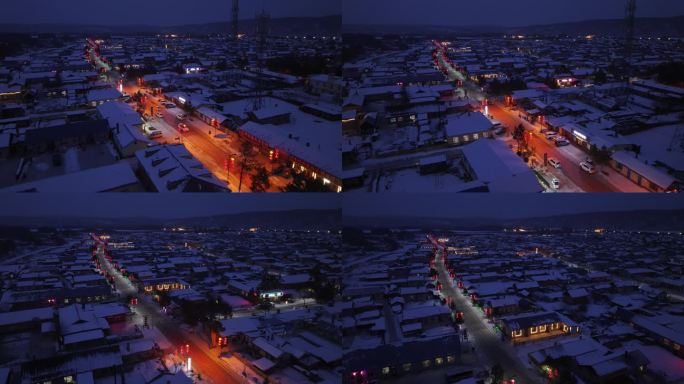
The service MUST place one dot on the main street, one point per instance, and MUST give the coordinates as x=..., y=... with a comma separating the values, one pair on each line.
x=486, y=341
x=209, y=145
x=604, y=180
x=204, y=361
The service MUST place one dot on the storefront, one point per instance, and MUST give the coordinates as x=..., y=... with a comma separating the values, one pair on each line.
x=581, y=139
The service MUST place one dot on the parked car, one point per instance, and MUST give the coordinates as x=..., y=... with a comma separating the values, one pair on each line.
x=550, y=135
x=588, y=168
x=154, y=134
x=554, y=163
x=555, y=183
x=561, y=142
x=180, y=116
x=183, y=127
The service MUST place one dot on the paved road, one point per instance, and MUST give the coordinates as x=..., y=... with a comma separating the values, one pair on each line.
x=204, y=361
x=488, y=343
x=569, y=162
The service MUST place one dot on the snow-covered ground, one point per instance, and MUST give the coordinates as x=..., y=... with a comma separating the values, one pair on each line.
x=410, y=180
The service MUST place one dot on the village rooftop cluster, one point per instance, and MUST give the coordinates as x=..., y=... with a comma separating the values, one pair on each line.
x=172, y=306
x=444, y=115
x=171, y=113
x=521, y=304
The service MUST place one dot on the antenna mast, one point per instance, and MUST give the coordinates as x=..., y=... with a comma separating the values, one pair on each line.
x=234, y=26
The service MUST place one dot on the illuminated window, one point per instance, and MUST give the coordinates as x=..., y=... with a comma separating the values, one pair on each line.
x=534, y=330
x=407, y=367
x=542, y=328
x=565, y=328
x=339, y=189
x=451, y=359
x=439, y=361
x=427, y=363
x=385, y=370
x=455, y=140
x=677, y=347
x=517, y=333
x=69, y=379
x=326, y=181
x=313, y=175
x=476, y=136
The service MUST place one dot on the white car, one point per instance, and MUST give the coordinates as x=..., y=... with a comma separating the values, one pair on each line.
x=550, y=135
x=554, y=163
x=561, y=141
x=154, y=134
x=588, y=168
x=555, y=183
x=180, y=116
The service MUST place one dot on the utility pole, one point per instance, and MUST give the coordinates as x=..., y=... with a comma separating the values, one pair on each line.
x=234, y=26
x=630, y=16
x=262, y=21
x=242, y=171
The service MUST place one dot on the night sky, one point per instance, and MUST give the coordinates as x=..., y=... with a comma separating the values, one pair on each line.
x=497, y=12
x=154, y=12
x=152, y=205
x=501, y=206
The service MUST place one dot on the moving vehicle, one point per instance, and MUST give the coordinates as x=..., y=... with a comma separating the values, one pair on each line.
x=183, y=127
x=180, y=116
x=550, y=135
x=554, y=163
x=154, y=134
x=588, y=168
x=555, y=183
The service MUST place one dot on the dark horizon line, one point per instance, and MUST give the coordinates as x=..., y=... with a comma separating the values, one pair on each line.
x=76, y=216
x=541, y=215
x=53, y=23
x=501, y=25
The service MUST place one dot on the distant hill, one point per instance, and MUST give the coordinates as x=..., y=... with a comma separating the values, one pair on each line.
x=642, y=220
x=292, y=219
x=666, y=26
x=324, y=25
